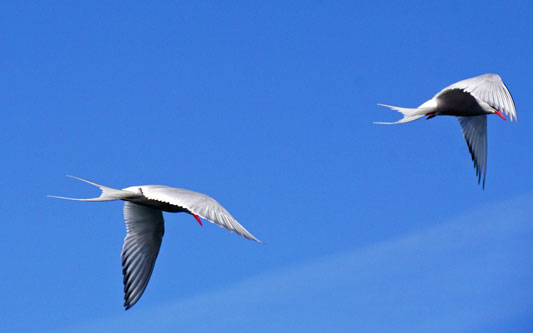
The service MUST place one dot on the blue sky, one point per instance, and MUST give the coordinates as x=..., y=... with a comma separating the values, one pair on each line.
x=267, y=107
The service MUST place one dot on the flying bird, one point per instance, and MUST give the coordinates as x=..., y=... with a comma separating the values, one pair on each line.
x=469, y=100
x=143, y=215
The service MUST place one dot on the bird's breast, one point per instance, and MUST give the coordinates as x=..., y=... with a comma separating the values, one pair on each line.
x=456, y=102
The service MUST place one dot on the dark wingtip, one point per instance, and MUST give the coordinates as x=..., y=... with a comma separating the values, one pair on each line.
x=127, y=302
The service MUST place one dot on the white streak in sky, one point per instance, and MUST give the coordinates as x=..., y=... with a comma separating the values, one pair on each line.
x=468, y=274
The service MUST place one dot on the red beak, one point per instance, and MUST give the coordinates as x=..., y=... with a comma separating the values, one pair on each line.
x=500, y=114
x=198, y=219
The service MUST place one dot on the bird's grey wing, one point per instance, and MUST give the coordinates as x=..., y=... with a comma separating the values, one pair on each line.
x=199, y=204
x=475, y=133
x=490, y=89
x=145, y=228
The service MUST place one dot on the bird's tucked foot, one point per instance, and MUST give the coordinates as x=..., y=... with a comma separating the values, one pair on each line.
x=430, y=115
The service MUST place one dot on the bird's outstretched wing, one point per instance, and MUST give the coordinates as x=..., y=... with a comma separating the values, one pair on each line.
x=475, y=133
x=490, y=89
x=199, y=204
x=145, y=228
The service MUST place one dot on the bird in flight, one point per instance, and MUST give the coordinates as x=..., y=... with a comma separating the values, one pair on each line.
x=143, y=207
x=469, y=100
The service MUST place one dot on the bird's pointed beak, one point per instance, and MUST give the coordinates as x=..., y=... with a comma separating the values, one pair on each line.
x=500, y=114
x=198, y=219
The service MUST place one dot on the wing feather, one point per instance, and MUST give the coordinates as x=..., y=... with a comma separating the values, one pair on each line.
x=475, y=133
x=199, y=204
x=145, y=229
x=490, y=89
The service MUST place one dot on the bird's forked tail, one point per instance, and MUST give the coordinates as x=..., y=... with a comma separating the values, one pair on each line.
x=409, y=114
x=108, y=193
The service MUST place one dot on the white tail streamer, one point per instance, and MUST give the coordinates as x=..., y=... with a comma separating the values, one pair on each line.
x=108, y=193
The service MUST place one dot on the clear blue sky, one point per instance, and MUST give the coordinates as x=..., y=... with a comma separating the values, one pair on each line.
x=267, y=107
